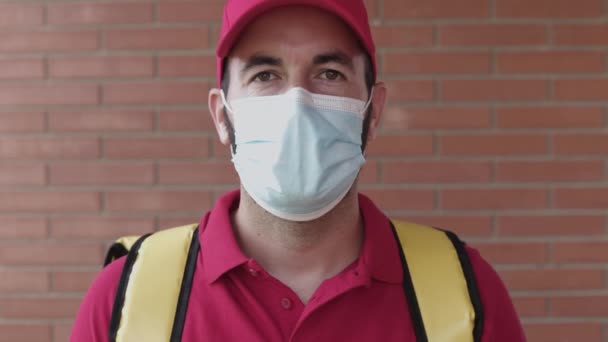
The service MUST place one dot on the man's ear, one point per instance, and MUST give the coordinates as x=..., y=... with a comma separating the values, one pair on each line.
x=216, y=108
x=378, y=101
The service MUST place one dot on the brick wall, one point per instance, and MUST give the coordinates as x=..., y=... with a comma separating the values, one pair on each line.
x=497, y=127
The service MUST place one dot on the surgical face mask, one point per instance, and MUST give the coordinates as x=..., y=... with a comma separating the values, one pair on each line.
x=297, y=154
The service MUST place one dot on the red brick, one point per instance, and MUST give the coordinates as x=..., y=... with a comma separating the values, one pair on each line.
x=21, y=122
x=372, y=8
x=555, y=62
x=50, y=201
x=16, y=280
x=39, y=308
x=99, y=67
x=549, y=171
x=62, y=331
x=189, y=11
x=464, y=225
x=587, y=34
x=581, y=144
x=156, y=92
x=400, y=145
x=549, y=117
x=185, y=120
x=551, y=332
x=197, y=173
x=492, y=34
x=583, y=251
x=101, y=173
x=548, y=8
x=187, y=66
x=493, y=144
x=497, y=199
x=178, y=201
x=25, y=332
x=72, y=281
x=158, y=38
x=582, y=306
x=400, y=36
x=437, y=63
x=94, y=227
x=436, y=171
x=394, y=199
x=445, y=117
x=493, y=90
x=513, y=253
x=51, y=254
x=48, y=41
x=22, y=174
x=49, y=148
x=106, y=120
x=550, y=225
x=553, y=279
x=156, y=147
x=215, y=33
x=581, y=89
x=581, y=198
x=410, y=90
x=19, y=227
x=30, y=68
x=48, y=95
x=369, y=173
x=530, y=306
x=401, y=9
x=21, y=15
x=165, y=222
x=99, y=13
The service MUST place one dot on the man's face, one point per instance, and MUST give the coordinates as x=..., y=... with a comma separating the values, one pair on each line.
x=297, y=47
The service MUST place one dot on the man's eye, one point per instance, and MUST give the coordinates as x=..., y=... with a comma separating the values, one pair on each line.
x=331, y=75
x=263, y=76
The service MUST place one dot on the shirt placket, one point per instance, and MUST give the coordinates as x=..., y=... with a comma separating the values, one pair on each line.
x=329, y=290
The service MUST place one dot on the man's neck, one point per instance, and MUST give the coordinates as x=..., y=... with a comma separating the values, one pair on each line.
x=300, y=254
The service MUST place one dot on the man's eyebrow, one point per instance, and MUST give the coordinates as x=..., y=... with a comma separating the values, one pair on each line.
x=257, y=60
x=334, y=57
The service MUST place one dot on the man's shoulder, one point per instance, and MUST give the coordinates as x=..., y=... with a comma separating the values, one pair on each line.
x=501, y=322
x=109, y=276
x=93, y=319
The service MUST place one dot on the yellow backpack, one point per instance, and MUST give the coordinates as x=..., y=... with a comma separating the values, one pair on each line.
x=151, y=306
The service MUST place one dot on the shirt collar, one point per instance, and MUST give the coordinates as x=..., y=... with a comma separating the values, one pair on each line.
x=221, y=253
x=379, y=253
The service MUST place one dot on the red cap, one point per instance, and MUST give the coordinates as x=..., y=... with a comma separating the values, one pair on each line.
x=239, y=13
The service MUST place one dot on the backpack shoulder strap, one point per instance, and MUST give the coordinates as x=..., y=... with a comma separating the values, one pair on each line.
x=120, y=248
x=439, y=284
x=165, y=259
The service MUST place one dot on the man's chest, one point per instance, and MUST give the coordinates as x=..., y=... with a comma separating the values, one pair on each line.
x=254, y=309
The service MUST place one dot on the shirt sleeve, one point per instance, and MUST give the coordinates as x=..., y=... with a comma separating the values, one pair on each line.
x=92, y=323
x=501, y=323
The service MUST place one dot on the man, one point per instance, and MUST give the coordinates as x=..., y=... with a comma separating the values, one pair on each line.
x=297, y=254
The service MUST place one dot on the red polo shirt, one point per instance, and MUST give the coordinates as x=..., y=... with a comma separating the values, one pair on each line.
x=234, y=299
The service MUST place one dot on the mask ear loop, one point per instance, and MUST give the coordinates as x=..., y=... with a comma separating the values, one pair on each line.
x=369, y=101
x=225, y=102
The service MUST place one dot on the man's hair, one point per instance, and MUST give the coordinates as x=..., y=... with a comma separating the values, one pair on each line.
x=370, y=80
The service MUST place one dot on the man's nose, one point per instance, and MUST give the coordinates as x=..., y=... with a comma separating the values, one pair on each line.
x=299, y=80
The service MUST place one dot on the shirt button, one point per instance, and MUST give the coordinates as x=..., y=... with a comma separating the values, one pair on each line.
x=286, y=303
x=253, y=272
